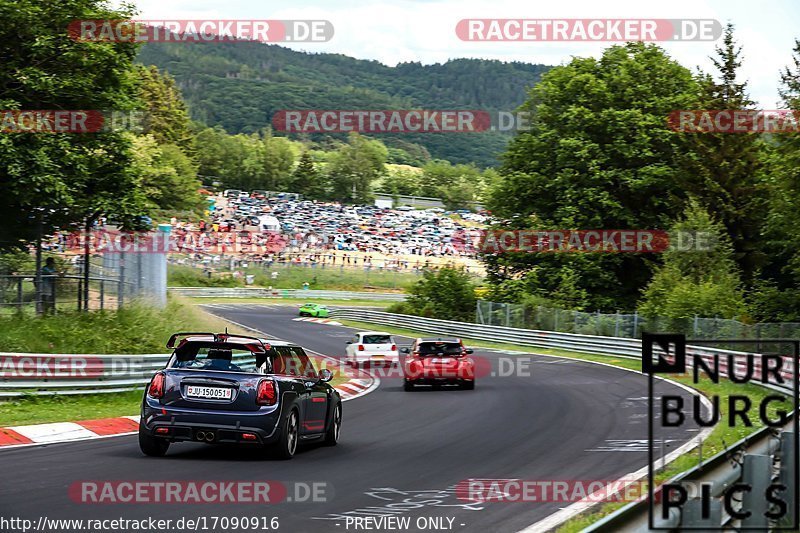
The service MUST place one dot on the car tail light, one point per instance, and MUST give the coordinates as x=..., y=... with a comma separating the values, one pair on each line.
x=394, y=347
x=162, y=431
x=267, y=394
x=414, y=368
x=248, y=436
x=156, y=389
x=360, y=347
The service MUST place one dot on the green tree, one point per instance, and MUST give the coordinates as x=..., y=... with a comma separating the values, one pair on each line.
x=278, y=157
x=211, y=154
x=167, y=177
x=355, y=166
x=445, y=293
x=776, y=296
x=725, y=171
x=401, y=181
x=698, y=281
x=440, y=175
x=598, y=155
x=63, y=179
x=307, y=181
x=167, y=116
x=460, y=194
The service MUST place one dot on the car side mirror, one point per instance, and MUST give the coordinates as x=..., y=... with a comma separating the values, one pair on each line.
x=325, y=375
x=468, y=351
x=349, y=342
x=405, y=350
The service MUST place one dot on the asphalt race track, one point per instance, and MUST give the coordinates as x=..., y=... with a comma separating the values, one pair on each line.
x=400, y=453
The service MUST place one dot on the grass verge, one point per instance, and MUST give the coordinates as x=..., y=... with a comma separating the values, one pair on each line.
x=720, y=438
x=291, y=277
x=134, y=329
x=44, y=409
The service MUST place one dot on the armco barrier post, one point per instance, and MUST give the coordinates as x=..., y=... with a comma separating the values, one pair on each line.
x=787, y=474
x=756, y=472
x=692, y=514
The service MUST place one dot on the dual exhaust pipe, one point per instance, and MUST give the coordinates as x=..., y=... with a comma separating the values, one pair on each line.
x=207, y=436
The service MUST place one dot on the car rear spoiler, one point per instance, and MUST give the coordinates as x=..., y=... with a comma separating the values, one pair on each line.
x=218, y=337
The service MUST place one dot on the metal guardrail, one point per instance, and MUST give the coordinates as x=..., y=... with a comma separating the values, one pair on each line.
x=39, y=374
x=253, y=292
x=755, y=456
x=537, y=338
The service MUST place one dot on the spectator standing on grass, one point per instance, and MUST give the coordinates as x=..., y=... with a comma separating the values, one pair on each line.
x=49, y=273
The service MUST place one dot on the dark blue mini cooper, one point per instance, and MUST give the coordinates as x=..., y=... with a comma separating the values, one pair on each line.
x=234, y=389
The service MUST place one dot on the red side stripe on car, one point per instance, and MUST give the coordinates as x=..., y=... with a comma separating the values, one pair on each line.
x=314, y=425
x=9, y=437
x=109, y=426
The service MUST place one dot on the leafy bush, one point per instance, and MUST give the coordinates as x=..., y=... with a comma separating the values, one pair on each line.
x=447, y=293
x=696, y=282
x=401, y=308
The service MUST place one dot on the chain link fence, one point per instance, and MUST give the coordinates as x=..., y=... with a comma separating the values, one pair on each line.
x=628, y=325
x=114, y=277
x=58, y=292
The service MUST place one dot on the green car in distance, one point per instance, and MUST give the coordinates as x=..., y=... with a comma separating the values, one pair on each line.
x=315, y=310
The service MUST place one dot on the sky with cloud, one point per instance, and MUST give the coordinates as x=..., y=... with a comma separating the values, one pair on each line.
x=393, y=31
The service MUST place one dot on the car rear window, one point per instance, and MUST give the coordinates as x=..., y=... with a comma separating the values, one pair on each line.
x=377, y=339
x=226, y=360
x=434, y=348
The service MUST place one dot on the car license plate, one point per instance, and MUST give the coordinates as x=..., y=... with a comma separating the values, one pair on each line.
x=440, y=360
x=212, y=393
x=378, y=356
